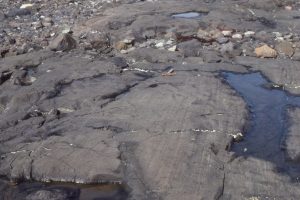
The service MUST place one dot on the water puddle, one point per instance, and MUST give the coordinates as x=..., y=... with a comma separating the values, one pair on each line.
x=269, y=121
x=36, y=190
x=189, y=15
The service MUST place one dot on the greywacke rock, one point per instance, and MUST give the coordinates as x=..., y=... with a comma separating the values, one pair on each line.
x=94, y=115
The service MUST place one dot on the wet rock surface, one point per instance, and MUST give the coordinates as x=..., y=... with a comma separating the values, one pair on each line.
x=131, y=97
x=292, y=138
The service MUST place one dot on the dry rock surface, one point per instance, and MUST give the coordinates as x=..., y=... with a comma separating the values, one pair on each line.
x=127, y=100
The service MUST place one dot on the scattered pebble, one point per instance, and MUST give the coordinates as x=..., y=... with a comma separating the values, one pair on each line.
x=121, y=45
x=237, y=36
x=159, y=45
x=288, y=8
x=63, y=42
x=277, y=34
x=128, y=40
x=26, y=6
x=227, y=33
x=237, y=137
x=127, y=50
x=249, y=33
x=170, y=72
x=66, y=30
x=203, y=35
x=173, y=48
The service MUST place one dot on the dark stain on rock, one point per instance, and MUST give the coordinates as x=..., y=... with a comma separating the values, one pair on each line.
x=5, y=75
x=266, y=22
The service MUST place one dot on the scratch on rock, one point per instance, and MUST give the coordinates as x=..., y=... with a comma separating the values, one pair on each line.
x=221, y=191
x=59, y=86
x=11, y=163
x=31, y=166
x=114, y=96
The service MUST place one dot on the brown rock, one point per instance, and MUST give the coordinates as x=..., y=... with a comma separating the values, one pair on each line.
x=203, y=35
x=215, y=34
x=285, y=48
x=121, y=46
x=265, y=52
x=296, y=55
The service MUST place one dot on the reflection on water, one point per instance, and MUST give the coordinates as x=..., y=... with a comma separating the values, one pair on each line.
x=189, y=15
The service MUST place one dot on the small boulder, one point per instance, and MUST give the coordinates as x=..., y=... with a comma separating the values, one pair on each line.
x=296, y=55
x=265, y=52
x=285, y=48
x=265, y=37
x=125, y=44
x=222, y=40
x=121, y=45
x=237, y=36
x=63, y=42
x=203, y=35
x=191, y=48
x=215, y=34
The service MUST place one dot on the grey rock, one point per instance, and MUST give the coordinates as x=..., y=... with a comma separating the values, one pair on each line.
x=222, y=40
x=194, y=60
x=190, y=48
x=227, y=48
x=211, y=56
x=248, y=49
x=2, y=16
x=264, y=36
x=296, y=55
x=230, y=50
x=149, y=34
x=63, y=42
x=285, y=48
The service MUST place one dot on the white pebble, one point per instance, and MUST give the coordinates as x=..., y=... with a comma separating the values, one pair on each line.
x=288, y=8
x=28, y=5
x=173, y=48
x=227, y=33
x=249, y=33
x=160, y=44
x=237, y=36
